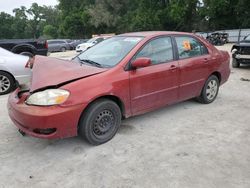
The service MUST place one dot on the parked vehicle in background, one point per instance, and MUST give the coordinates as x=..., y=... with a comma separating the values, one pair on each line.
x=241, y=52
x=126, y=75
x=75, y=43
x=91, y=42
x=28, y=47
x=13, y=71
x=59, y=45
x=218, y=38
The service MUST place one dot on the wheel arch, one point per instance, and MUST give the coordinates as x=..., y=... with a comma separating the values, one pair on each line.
x=23, y=48
x=217, y=74
x=15, y=81
x=113, y=98
x=9, y=74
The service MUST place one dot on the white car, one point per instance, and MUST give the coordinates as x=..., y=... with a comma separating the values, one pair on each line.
x=91, y=42
x=13, y=71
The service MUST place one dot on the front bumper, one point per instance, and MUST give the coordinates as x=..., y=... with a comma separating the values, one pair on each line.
x=242, y=58
x=78, y=50
x=34, y=120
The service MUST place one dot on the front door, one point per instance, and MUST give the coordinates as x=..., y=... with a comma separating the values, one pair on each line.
x=155, y=85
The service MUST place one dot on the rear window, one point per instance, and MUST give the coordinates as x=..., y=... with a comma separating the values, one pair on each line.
x=189, y=47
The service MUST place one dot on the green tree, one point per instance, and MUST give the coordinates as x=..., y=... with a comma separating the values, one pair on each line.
x=74, y=18
x=222, y=14
x=35, y=25
x=19, y=23
x=243, y=13
x=49, y=31
x=6, y=21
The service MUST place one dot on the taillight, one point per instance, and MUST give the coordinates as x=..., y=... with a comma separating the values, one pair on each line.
x=46, y=44
x=30, y=63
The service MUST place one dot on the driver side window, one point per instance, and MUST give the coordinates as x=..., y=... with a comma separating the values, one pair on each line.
x=158, y=50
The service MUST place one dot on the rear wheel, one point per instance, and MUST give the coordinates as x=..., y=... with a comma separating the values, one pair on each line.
x=63, y=49
x=7, y=83
x=235, y=63
x=100, y=122
x=210, y=90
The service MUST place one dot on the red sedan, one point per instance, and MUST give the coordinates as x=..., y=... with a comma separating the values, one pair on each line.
x=123, y=76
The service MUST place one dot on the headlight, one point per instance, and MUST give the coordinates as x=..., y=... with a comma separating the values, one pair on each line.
x=234, y=50
x=48, y=97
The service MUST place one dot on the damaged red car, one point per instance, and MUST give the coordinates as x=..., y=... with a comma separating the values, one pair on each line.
x=123, y=76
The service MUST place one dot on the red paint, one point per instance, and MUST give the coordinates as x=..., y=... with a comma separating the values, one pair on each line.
x=140, y=90
x=53, y=71
x=141, y=62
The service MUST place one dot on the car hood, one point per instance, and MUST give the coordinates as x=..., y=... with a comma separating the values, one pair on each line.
x=52, y=72
x=86, y=44
x=243, y=44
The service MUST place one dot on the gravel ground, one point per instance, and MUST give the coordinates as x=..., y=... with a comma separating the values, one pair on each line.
x=183, y=145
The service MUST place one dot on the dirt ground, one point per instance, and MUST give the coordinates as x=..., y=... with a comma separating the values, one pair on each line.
x=183, y=145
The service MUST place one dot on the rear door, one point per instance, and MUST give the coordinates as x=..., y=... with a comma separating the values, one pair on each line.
x=155, y=85
x=194, y=61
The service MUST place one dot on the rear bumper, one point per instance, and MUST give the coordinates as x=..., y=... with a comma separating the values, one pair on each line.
x=43, y=52
x=34, y=119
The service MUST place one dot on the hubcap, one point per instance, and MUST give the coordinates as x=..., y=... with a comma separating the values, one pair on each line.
x=4, y=83
x=103, y=123
x=212, y=89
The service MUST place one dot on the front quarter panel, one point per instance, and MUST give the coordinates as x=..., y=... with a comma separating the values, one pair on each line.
x=114, y=82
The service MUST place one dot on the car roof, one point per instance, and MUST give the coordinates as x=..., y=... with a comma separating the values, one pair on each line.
x=57, y=40
x=155, y=33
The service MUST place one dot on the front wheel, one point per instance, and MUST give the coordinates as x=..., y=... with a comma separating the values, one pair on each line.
x=210, y=90
x=100, y=122
x=7, y=83
x=235, y=63
x=63, y=49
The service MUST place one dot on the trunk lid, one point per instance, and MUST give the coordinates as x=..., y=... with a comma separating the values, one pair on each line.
x=49, y=72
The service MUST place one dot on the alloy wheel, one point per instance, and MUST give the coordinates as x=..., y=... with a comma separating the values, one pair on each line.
x=4, y=83
x=212, y=89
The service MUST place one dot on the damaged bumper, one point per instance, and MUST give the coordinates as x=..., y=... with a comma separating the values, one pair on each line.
x=49, y=122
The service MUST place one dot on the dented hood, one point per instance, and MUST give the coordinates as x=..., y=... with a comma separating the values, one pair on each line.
x=49, y=72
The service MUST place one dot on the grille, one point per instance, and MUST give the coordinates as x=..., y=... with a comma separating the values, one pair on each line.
x=245, y=50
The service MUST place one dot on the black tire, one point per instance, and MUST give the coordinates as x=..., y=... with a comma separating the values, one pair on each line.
x=63, y=49
x=212, y=84
x=7, y=83
x=100, y=122
x=29, y=54
x=235, y=63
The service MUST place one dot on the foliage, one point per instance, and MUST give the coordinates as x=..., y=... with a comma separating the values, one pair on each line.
x=82, y=18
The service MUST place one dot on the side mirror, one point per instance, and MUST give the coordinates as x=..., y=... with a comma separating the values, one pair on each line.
x=141, y=62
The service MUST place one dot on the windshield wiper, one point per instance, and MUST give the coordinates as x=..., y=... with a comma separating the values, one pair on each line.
x=91, y=62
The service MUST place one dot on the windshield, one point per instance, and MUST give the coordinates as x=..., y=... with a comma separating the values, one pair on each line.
x=91, y=40
x=111, y=51
x=247, y=38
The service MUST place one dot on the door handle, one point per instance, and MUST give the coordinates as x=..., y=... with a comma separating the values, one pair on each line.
x=173, y=67
x=205, y=60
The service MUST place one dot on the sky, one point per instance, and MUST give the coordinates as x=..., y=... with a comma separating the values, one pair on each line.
x=9, y=5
